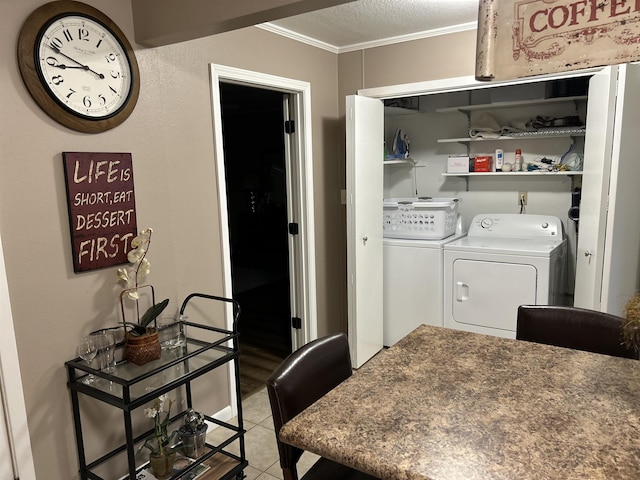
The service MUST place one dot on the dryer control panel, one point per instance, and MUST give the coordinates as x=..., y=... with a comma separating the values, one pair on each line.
x=516, y=226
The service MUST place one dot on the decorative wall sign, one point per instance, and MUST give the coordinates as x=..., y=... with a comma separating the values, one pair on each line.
x=520, y=38
x=102, y=210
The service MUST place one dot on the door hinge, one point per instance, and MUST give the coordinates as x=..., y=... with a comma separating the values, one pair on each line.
x=293, y=228
x=289, y=126
x=296, y=322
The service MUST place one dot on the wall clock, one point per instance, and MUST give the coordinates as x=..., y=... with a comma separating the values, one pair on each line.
x=78, y=66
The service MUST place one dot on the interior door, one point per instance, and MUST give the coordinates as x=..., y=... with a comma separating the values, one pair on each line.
x=365, y=149
x=622, y=248
x=595, y=189
x=607, y=267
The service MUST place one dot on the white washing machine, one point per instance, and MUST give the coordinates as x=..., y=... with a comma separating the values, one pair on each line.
x=506, y=260
x=413, y=292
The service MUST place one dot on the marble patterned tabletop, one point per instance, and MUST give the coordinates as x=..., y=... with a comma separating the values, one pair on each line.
x=444, y=404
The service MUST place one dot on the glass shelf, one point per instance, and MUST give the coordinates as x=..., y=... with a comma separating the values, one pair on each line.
x=141, y=383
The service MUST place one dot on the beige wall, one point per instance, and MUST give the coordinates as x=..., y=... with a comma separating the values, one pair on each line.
x=432, y=58
x=170, y=137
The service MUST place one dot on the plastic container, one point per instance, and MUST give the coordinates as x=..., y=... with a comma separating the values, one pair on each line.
x=499, y=160
x=517, y=166
x=419, y=218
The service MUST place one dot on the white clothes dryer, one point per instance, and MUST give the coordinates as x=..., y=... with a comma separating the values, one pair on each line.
x=506, y=260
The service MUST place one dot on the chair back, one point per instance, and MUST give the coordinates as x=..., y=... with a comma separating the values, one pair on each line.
x=301, y=379
x=573, y=327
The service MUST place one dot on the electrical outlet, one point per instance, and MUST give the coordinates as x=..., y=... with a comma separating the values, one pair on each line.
x=522, y=198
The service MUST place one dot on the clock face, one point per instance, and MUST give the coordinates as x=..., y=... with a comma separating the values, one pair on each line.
x=83, y=66
x=78, y=66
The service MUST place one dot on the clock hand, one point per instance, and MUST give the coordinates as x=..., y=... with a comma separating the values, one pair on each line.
x=84, y=67
x=64, y=67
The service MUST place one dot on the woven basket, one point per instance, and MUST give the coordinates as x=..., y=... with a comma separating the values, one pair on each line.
x=142, y=349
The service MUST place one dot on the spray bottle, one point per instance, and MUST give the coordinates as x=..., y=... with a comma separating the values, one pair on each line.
x=518, y=163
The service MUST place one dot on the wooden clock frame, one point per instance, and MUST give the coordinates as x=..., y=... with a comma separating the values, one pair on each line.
x=29, y=35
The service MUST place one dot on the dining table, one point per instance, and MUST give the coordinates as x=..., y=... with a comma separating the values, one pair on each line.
x=444, y=404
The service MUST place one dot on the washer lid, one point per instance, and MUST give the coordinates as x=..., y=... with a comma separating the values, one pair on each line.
x=407, y=242
x=535, y=247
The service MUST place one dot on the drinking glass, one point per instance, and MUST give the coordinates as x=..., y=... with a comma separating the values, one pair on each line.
x=106, y=346
x=87, y=350
x=170, y=333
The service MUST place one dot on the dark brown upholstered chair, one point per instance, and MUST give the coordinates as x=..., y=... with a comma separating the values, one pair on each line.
x=573, y=327
x=301, y=379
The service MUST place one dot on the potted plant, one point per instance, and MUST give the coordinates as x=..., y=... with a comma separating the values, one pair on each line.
x=161, y=452
x=141, y=339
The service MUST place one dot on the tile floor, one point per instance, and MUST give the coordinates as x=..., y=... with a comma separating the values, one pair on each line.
x=260, y=441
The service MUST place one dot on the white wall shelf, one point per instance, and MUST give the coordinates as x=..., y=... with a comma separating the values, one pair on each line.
x=519, y=103
x=514, y=174
x=405, y=161
x=577, y=132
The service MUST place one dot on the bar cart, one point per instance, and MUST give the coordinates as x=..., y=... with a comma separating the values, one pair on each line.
x=130, y=387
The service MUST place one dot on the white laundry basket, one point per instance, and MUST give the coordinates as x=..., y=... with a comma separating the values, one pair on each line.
x=419, y=218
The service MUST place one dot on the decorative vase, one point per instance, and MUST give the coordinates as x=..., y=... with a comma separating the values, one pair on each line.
x=142, y=349
x=193, y=442
x=162, y=464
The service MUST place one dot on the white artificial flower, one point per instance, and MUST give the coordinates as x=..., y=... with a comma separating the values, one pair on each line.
x=150, y=412
x=135, y=255
x=123, y=275
x=140, y=265
x=142, y=238
x=133, y=294
x=145, y=268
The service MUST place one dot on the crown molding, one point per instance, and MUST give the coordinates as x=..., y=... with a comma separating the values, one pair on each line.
x=270, y=27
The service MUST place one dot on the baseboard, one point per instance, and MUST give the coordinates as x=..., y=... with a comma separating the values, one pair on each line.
x=223, y=415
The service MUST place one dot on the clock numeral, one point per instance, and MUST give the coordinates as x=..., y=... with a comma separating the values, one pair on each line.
x=115, y=92
x=103, y=100
x=86, y=101
x=56, y=43
x=71, y=92
x=83, y=34
x=112, y=57
x=114, y=74
x=52, y=61
x=57, y=79
x=67, y=35
x=98, y=44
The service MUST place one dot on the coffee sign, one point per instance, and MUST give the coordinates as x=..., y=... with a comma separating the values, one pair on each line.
x=519, y=38
x=101, y=205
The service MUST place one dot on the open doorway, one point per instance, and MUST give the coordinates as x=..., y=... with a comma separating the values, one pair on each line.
x=296, y=107
x=255, y=166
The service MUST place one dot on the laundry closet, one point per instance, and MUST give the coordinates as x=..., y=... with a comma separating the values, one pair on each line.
x=575, y=136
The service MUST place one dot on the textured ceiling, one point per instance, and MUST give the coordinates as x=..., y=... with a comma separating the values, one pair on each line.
x=378, y=21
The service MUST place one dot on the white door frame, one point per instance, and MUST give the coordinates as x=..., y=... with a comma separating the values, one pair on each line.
x=14, y=429
x=301, y=97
